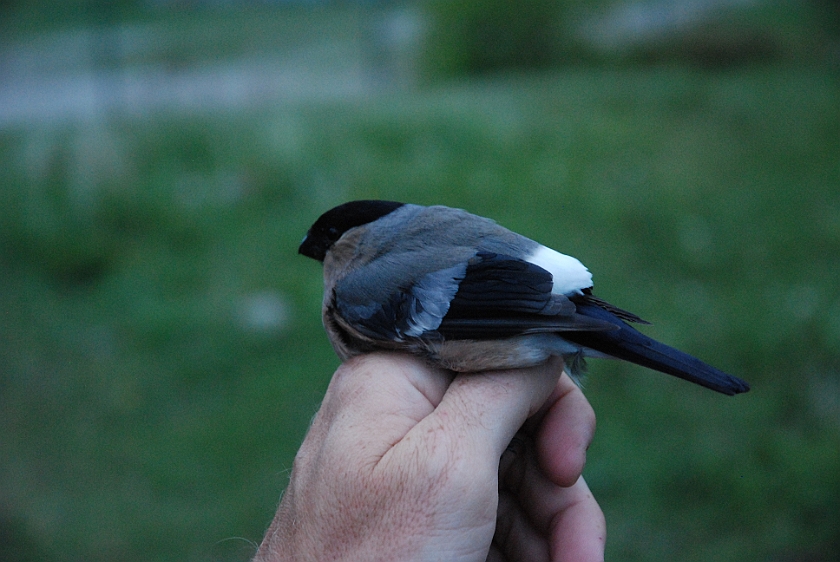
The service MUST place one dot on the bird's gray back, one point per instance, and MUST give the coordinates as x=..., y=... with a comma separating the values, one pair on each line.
x=422, y=246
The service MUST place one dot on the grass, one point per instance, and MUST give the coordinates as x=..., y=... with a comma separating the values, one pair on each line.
x=147, y=418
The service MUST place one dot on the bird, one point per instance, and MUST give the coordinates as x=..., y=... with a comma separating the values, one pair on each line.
x=470, y=295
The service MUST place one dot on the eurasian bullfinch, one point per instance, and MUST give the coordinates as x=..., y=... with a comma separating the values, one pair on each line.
x=470, y=295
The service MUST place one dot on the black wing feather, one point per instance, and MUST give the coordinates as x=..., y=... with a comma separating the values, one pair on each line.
x=495, y=284
x=502, y=296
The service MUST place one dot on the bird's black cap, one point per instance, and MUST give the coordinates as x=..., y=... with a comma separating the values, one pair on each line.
x=331, y=225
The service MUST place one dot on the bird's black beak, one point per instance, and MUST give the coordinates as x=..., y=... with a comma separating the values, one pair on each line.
x=311, y=249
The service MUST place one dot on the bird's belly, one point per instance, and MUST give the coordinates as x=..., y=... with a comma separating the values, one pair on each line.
x=491, y=355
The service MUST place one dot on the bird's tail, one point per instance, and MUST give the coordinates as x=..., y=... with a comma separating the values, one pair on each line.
x=631, y=345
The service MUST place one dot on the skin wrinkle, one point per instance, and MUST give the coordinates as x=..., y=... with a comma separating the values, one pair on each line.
x=555, y=520
x=563, y=534
x=515, y=536
x=411, y=418
x=443, y=462
x=402, y=488
x=515, y=524
x=367, y=510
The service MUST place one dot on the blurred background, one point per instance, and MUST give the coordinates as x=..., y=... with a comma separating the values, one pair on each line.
x=161, y=352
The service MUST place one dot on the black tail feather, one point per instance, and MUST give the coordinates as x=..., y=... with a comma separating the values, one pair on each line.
x=631, y=345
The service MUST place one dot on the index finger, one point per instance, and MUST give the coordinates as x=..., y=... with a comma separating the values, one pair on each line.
x=488, y=408
x=378, y=398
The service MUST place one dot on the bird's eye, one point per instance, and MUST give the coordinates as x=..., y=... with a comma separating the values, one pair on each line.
x=332, y=233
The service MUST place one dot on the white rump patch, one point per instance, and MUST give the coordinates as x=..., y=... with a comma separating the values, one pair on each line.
x=570, y=276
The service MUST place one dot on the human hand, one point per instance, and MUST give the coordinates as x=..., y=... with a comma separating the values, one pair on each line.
x=405, y=461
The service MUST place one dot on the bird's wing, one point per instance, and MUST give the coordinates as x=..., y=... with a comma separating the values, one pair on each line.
x=488, y=296
x=502, y=296
x=384, y=309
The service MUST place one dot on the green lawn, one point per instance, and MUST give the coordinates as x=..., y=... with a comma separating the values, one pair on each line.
x=145, y=419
